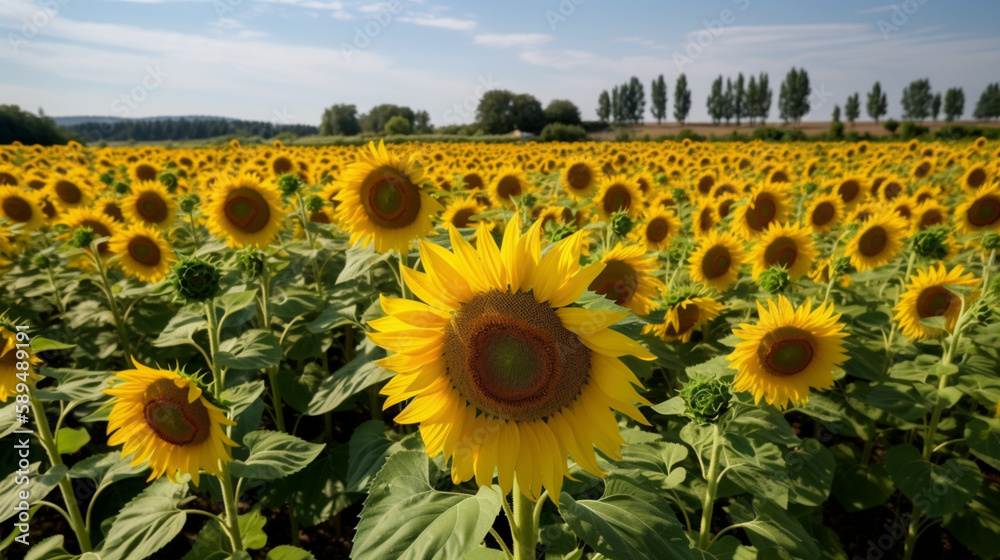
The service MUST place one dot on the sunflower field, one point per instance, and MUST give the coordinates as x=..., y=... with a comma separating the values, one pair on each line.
x=501, y=351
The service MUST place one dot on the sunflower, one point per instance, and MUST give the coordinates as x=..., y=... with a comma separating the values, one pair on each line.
x=788, y=352
x=10, y=357
x=850, y=191
x=980, y=211
x=143, y=170
x=704, y=218
x=150, y=204
x=70, y=191
x=877, y=242
x=787, y=245
x=824, y=212
x=381, y=200
x=684, y=315
x=101, y=224
x=505, y=375
x=580, y=178
x=657, y=229
x=618, y=194
x=767, y=204
x=22, y=207
x=144, y=254
x=508, y=183
x=975, y=177
x=928, y=295
x=716, y=261
x=164, y=420
x=460, y=211
x=627, y=278
x=245, y=212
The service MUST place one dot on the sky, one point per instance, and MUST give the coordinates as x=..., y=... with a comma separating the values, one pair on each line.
x=284, y=61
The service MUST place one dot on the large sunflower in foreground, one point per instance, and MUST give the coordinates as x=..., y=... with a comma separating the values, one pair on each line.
x=382, y=201
x=150, y=204
x=877, y=242
x=928, y=295
x=143, y=253
x=716, y=261
x=627, y=278
x=245, y=212
x=787, y=245
x=787, y=352
x=162, y=418
x=10, y=356
x=504, y=374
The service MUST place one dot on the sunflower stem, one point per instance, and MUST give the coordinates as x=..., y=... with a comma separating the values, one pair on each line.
x=705, y=535
x=112, y=304
x=194, y=229
x=213, y=348
x=403, y=258
x=987, y=267
x=304, y=218
x=892, y=331
x=833, y=276
x=522, y=527
x=55, y=291
x=232, y=513
x=75, y=518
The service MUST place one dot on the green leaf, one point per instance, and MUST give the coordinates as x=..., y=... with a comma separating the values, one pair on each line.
x=670, y=407
x=288, y=552
x=234, y=302
x=727, y=548
x=984, y=441
x=182, y=326
x=859, y=487
x=901, y=400
x=772, y=528
x=50, y=549
x=349, y=380
x=74, y=385
x=360, y=259
x=144, y=525
x=483, y=553
x=252, y=529
x=41, y=344
x=936, y=489
x=368, y=448
x=978, y=525
x=36, y=485
x=105, y=469
x=274, y=455
x=654, y=461
x=626, y=523
x=810, y=470
x=765, y=424
x=405, y=517
x=70, y=440
x=316, y=493
x=254, y=349
x=331, y=318
x=240, y=397
x=936, y=322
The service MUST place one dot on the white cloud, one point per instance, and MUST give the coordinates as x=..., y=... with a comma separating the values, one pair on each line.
x=875, y=10
x=453, y=24
x=512, y=39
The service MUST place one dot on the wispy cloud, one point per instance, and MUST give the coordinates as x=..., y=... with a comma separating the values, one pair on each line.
x=512, y=39
x=875, y=10
x=453, y=24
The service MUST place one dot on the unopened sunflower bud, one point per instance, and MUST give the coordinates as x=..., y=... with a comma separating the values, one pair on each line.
x=991, y=241
x=189, y=202
x=705, y=400
x=931, y=243
x=41, y=261
x=121, y=188
x=314, y=203
x=195, y=279
x=621, y=223
x=250, y=261
x=289, y=184
x=774, y=280
x=81, y=238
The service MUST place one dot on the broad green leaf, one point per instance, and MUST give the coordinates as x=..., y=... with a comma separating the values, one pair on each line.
x=74, y=385
x=670, y=407
x=36, y=485
x=936, y=489
x=352, y=378
x=254, y=349
x=978, y=524
x=367, y=447
x=316, y=493
x=859, y=487
x=331, y=318
x=654, y=461
x=627, y=523
x=772, y=528
x=765, y=424
x=727, y=547
x=240, y=397
x=252, y=529
x=274, y=455
x=70, y=440
x=51, y=549
x=406, y=518
x=144, y=525
x=183, y=326
x=984, y=441
x=483, y=553
x=105, y=469
x=40, y=344
x=810, y=470
x=936, y=322
x=288, y=552
x=360, y=259
x=236, y=301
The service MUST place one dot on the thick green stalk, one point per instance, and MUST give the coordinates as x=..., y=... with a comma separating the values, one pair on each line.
x=523, y=528
x=232, y=513
x=707, y=505
x=113, y=306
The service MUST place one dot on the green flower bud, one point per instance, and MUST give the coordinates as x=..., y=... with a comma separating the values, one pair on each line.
x=931, y=243
x=168, y=180
x=675, y=253
x=680, y=195
x=81, y=238
x=621, y=223
x=189, y=202
x=108, y=178
x=41, y=261
x=121, y=188
x=250, y=261
x=809, y=187
x=774, y=280
x=706, y=399
x=195, y=279
x=557, y=232
x=528, y=200
x=991, y=241
x=841, y=265
x=314, y=203
x=289, y=184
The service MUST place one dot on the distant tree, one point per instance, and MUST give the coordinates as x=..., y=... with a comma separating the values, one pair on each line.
x=528, y=113
x=374, y=121
x=24, y=127
x=739, y=99
x=749, y=109
x=398, y=125
x=758, y=102
x=604, y=106
x=682, y=99
x=936, y=105
x=954, y=104
x=562, y=111
x=878, y=103
x=422, y=122
x=852, y=109
x=495, y=112
x=836, y=113
x=617, y=112
x=340, y=120
x=634, y=100
x=917, y=100
x=729, y=101
x=658, y=97
x=988, y=106
x=716, y=102
x=793, y=98
x=559, y=132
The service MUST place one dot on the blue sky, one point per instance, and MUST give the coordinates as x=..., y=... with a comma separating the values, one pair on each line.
x=285, y=60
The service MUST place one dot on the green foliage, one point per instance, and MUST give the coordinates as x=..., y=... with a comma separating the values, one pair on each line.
x=891, y=125
x=21, y=126
x=682, y=99
x=562, y=111
x=501, y=111
x=917, y=101
x=340, y=120
x=793, y=98
x=878, y=102
x=558, y=132
x=988, y=106
x=398, y=125
x=195, y=279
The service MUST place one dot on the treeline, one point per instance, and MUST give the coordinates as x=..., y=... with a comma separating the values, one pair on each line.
x=343, y=120
x=17, y=125
x=150, y=130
